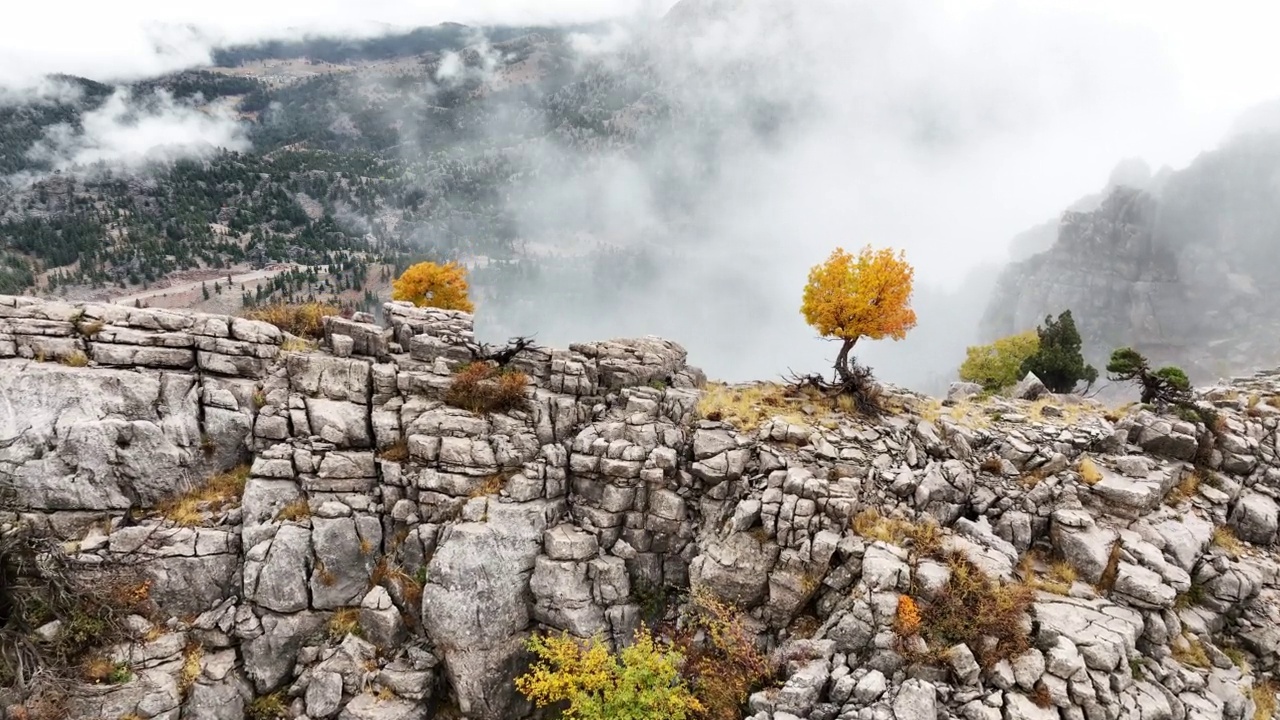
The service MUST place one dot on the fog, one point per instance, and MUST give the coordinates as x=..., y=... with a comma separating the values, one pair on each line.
x=943, y=135
x=129, y=133
x=940, y=128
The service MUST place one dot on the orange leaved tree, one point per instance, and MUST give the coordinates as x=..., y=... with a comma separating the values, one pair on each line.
x=850, y=297
x=428, y=284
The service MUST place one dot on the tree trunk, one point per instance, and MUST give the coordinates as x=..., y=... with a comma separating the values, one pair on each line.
x=843, y=370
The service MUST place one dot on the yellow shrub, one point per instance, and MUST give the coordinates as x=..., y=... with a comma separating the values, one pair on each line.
x=999, y=365
x=640, y=683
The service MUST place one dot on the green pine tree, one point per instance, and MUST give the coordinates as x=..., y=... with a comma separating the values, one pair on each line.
x=1059, y=362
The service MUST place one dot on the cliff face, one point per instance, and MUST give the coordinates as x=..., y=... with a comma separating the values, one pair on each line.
x=1182, y=270
x=453, y=535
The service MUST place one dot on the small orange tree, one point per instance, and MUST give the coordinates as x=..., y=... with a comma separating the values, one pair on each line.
x=851, y=297
x=429, y=284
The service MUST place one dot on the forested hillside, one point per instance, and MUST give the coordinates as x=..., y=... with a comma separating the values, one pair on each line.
x=434, y=143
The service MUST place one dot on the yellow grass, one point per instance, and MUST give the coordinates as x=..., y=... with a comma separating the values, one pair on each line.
x=747, y=407
x=305, y=320
x=1186, y=488
x=1089, y=472
x=1057, y=579
x=298, y=345
x=965, y=413
x=296, y=511
x=1192, y=653
x=191, y=656
x=1225, y=538
x=1264, y=699
x=344, y=622
x=926, y=536
x=213, y=495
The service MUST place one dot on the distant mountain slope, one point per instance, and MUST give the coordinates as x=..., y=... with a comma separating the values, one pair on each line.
x=1186, y=271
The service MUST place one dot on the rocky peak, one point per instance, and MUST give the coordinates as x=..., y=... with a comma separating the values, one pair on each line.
x=390, y=553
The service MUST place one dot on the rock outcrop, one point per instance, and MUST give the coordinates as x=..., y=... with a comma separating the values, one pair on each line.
x=390, y=554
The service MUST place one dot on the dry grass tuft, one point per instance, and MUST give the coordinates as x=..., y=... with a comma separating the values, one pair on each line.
x=395, y=578
x=191, y=657
x=1112, y=569
x=296, y=511
x=925, y=536
x=483, y=389
x=325, y=575
x=305, y=320
x=746, y=407
x=344, y=622
x=1191, y=652
x=77, y=358
x=1186, y=488
x=1225, y=539
x=1264, y=699
x=396, y=452
x=992, y=464
x=1088, y=470
x=965, y=413
x=1057, y=579
x=101, y=671
x=492, y=485
x=218, y=492
x=1032, y=478
x=298, y=345
x=268, y=707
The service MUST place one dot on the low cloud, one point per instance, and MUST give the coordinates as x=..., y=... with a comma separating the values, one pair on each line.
x=129, y=132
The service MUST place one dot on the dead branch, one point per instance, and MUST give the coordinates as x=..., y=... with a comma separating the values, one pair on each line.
x=483, y=352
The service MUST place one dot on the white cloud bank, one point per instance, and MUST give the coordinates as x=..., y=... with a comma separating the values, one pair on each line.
x=128, y=132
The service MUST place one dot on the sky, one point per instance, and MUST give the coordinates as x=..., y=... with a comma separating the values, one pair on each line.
x=1224, y=52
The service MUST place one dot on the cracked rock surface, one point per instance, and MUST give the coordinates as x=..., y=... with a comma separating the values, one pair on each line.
x=445, y=538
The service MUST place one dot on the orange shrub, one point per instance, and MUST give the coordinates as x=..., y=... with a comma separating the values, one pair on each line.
x=482, y=388
x=907, y=620
x=428, y=284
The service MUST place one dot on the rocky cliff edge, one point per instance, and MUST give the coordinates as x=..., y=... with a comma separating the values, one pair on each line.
x=447, y=537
